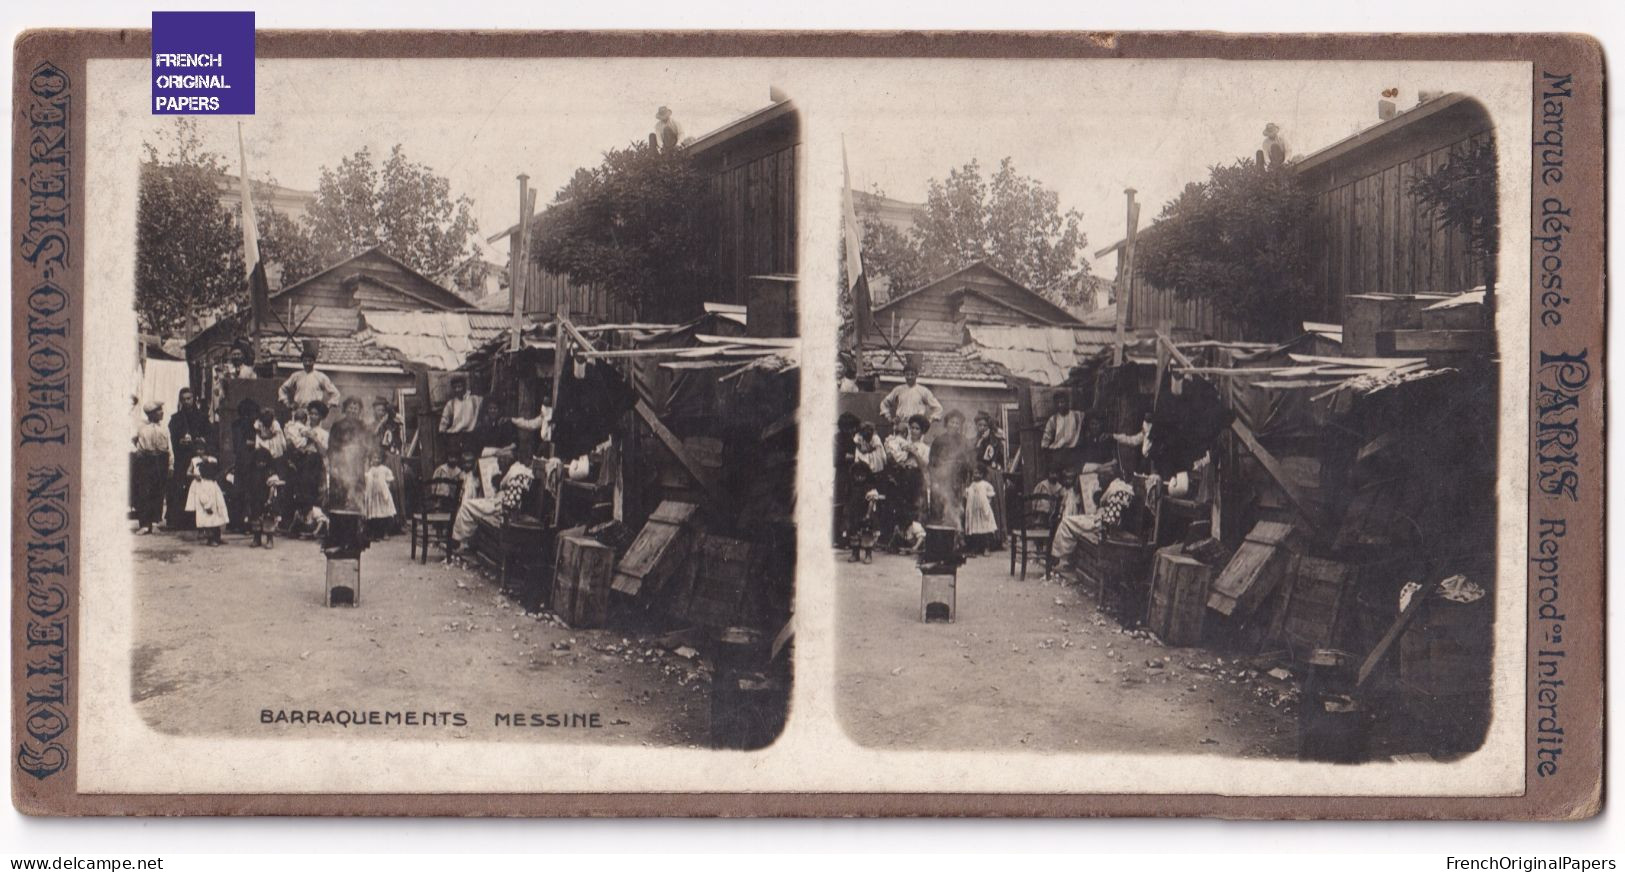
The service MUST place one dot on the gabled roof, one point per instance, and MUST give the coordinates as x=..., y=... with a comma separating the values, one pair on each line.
x=1035, y=305
x=451, y=299
x=740, y=126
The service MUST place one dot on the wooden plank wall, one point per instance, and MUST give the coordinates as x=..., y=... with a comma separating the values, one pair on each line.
x=749, y=224
x=1371, y=235
x=1379, y=240
x=1155, y=308
x=588, y=304
x=748, y=227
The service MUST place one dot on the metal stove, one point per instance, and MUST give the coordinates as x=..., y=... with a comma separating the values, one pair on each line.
x=345, y=540
x=940, y=558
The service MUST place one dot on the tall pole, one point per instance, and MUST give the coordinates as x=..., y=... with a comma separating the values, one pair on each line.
x=1125, y=294
x=519, y=258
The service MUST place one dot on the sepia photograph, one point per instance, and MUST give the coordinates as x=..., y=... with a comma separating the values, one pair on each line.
x=1200, y=445
x=448, y=426
x=1171, y=426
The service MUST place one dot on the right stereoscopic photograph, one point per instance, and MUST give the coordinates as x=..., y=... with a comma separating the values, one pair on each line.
x=1168, y=424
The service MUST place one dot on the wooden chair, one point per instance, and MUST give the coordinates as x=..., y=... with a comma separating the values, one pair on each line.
x=525, y=542
x=1035, y=528
x=431, y=515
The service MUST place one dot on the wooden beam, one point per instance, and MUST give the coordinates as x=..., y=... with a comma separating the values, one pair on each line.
x=1299, y=500
x=1184, y=362
x=1401, y=341
x=676, y=447
x=1374, y=659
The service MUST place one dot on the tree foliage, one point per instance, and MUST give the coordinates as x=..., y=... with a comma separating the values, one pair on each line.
x=629, y=227
x=1240, y=240
x=1462, y=195
x=189, y=258
x=1011, y=221
x=888, y=253
x=283, y=241
x=401, y=206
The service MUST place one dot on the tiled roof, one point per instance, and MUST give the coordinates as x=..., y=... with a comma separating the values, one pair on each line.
x=330, y=351
x=933, y=365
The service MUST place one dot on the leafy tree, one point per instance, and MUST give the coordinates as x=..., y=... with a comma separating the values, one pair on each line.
x=1011, y=221
x=283, y=242
x=888, y=253
x=189, y=258
x=402, y=206
x=1240, y=240
x=1462, y=195
x=629, y=226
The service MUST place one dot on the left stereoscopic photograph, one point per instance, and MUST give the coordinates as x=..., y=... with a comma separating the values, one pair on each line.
x=462, y=419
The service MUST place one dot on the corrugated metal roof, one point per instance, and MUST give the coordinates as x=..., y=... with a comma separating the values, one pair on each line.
x=442, y=340
x=1045, y=355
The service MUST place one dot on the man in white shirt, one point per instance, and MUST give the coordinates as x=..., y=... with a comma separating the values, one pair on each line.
x=1061, y=434
x=308, y=385
x=459, y=417
x=910, y=399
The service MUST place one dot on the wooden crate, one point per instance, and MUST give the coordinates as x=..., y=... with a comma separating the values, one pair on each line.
x=1364, y=315
x=1179, y=589
x=581, y=579
x=1446, y=649
x=659, y=550
x=722, y=571
x=1258, y=567
x=1312, y=606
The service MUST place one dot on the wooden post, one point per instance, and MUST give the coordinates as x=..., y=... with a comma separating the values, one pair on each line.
x=519, y=256
x=1125, y=295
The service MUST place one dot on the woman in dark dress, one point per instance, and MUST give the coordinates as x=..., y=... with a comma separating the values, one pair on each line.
x=188, y=435
x=242, y=463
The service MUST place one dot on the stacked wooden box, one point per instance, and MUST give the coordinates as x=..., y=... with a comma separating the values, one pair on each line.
x=581, y=580
x=1179, y=589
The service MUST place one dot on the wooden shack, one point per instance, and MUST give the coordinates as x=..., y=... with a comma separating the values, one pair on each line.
x=329, y=307
x=748, y=219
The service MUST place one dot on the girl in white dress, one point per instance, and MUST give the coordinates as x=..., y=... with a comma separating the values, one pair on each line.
x=981, y=528
x=205, y=499
x=378, y=498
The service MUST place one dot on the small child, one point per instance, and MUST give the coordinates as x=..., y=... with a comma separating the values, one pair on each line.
x=378, y=499
x=443, y=481
x=865, y=532
x=980, y=525
x=266, y=499
x=911, y=538
x=205, y=499
x=869, y=450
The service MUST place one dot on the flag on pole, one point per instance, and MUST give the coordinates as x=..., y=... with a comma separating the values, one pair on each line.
x=258, y=287
x=857, y=284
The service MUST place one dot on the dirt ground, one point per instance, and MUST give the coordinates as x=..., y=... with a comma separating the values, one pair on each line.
x=1032, y=664
x=225, y=634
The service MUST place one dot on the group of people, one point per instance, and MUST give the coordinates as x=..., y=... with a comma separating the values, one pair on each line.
x=916, y=465
x=893, y=482
x=289, y=465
